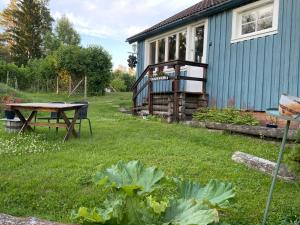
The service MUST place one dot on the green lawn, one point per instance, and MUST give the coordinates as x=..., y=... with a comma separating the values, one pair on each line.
x=49, y=185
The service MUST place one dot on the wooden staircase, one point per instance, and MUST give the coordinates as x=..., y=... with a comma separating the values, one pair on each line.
x=176, y=105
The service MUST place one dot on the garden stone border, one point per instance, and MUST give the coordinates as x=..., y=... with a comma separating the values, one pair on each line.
x=245, y=129
x=10, y=220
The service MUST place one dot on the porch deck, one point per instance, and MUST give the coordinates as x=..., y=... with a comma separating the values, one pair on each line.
x=161, y=92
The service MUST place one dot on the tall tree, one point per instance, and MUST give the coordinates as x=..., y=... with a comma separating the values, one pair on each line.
x=25, y=24
x=66, y=33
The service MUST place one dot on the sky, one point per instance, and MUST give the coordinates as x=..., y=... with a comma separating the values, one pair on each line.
x=110, y=22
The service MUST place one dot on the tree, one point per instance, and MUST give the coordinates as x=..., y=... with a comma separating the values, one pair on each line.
x=93, y=62
x=65, y=32
x=98, y=69
x=25, y=24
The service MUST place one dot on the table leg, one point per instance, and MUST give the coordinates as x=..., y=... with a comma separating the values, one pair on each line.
x=280, y=156
x=25, y=122
x=70, y=125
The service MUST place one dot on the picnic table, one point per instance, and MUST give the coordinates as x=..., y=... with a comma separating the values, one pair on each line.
x=59, y=108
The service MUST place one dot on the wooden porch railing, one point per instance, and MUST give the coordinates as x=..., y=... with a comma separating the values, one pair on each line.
x=176, y=64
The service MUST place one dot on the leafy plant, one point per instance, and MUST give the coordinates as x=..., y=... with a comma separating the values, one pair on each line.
x=132, y=191
x=293, y=160
x=229, y=116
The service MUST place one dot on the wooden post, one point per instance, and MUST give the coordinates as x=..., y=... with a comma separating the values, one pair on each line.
x=57, y=85
x=70, y=85
x=16, y=84
x=204, y=82
x=85, y=87
x=150, y=94
x=134, y=110
x=176, y=92
x=7, y=78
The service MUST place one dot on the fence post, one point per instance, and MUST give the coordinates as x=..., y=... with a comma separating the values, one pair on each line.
x=16, y=84
x=176, y=94
x=7, y=78
x=134, y=110
x=85, y=87
x=57, y=85
x=70, y=85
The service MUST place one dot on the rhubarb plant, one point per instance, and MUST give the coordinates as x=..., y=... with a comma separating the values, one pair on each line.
x=133, y=197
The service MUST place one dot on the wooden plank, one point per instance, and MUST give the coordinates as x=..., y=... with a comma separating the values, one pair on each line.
x=54, y=125
x=70, y=125
x=44, y=107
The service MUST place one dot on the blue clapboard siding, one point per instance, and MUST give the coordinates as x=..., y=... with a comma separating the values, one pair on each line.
x=253, y=74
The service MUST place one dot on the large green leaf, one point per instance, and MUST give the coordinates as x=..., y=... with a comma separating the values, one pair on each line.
x=189, y=212
x=215, y=192
x=130, y=177
x=95, y=215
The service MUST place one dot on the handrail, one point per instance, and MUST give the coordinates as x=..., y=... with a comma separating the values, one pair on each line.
x=176, y=64
x=170, y=63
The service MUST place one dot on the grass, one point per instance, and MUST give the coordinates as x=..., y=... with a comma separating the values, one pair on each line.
x=49, y=185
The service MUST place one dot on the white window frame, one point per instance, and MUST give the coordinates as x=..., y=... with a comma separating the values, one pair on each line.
x=190, y=45
x=163, y=36
x=236, y=20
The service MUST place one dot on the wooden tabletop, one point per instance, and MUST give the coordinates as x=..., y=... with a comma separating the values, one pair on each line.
x=44, y=106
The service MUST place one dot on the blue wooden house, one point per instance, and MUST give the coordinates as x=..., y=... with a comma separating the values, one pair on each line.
x=221, y=53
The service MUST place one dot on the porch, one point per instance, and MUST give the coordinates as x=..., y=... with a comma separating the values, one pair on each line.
x=174, y=90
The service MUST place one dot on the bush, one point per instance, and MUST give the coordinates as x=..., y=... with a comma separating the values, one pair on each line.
x=122, y=81
x=118, y=84
x=136, y=194
x=229, y=116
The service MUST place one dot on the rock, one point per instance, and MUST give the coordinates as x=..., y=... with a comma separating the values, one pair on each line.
x=10, y=220
x=263, y=165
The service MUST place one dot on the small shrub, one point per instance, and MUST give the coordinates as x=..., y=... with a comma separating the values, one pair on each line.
x=229, y=116
x=293, y=160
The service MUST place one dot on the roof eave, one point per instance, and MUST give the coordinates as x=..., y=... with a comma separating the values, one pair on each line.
x=205, y=13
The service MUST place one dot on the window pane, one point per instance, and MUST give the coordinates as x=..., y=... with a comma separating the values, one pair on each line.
x=199, y=41
x=267, y=12
x=248, y=28
x=182, y=46
x=161, y=50
x=248, y=18
x=172, y=47
x=266, y=23
x=152, y=52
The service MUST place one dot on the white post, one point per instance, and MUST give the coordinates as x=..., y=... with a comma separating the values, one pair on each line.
x=70, y=85
x=85, y=87
x=7, y=78
x=16, y=84
x=57, y=85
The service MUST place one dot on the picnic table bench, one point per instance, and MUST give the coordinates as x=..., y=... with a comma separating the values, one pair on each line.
x=59, y=108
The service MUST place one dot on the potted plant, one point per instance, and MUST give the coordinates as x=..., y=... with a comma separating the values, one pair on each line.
x=9, y=114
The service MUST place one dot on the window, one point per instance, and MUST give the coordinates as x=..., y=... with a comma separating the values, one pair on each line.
x=161, y=50
x=172, y=47
x=199, y=44
x=255, y=20
x=152, y=52
x=182, y=45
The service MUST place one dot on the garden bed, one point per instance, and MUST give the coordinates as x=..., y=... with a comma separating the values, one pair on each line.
x=259, y=131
